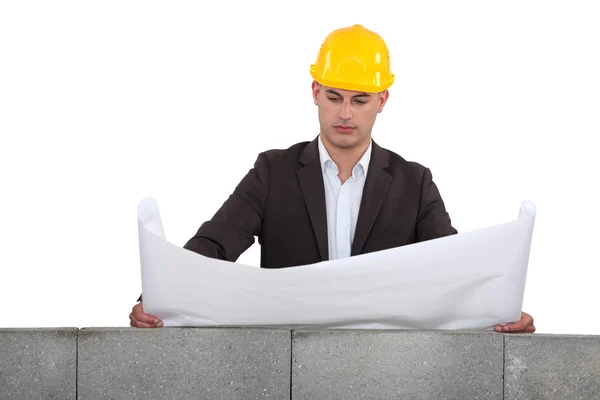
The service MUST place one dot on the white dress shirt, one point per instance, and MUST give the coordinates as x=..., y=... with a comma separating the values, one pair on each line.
x=342, y=201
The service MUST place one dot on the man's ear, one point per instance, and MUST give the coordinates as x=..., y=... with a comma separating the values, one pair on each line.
x=383, y=97
x=316, y=89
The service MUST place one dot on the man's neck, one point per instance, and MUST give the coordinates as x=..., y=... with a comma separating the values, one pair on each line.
x=346, y=159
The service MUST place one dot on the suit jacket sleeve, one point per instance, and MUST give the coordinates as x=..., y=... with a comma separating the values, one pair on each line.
x=232, y=229
x=433, y=220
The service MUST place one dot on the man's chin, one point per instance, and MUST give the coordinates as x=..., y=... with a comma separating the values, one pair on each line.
x=345, y=141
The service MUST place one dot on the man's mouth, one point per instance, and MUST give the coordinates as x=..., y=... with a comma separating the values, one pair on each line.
x=343, y=128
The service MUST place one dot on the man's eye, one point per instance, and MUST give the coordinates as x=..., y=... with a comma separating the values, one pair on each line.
x=355, y=100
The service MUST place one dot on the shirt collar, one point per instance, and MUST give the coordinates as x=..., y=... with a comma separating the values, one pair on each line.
x=363, y=163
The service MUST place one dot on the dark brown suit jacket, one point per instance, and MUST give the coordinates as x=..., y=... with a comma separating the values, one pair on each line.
x=281, y=201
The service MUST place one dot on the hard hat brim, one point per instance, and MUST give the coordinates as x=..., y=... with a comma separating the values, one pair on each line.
x=353, y=86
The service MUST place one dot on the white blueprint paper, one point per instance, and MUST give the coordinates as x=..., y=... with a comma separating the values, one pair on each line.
x=471, y=280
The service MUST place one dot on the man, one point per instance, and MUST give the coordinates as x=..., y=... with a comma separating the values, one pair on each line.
x=340, y=194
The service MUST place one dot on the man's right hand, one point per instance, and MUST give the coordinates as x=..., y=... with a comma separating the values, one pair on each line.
x=139, y=319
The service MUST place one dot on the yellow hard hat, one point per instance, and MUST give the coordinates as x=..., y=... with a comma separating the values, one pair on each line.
x=353, y=58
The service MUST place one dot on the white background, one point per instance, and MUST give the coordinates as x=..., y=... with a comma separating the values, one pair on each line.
x=104, y=103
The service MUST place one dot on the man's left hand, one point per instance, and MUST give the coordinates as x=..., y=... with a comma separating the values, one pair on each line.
x=525, y=325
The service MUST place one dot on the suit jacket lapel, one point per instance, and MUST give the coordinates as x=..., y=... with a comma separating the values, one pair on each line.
x=310, y=177
x=376, y=186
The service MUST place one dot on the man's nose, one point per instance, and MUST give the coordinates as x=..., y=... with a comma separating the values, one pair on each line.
x=345, y=112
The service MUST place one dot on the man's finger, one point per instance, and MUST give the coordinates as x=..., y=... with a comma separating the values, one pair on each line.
x=138, y=324
x=147, y=318
x=141, y=316
x=519, y=326
x=514, y=327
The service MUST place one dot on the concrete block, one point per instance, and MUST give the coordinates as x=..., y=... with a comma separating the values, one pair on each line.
x=38, y=363
x=184, y=363
x=391, y=364
x=552, y=367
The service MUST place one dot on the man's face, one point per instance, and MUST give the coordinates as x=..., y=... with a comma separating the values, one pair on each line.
x=347, y=117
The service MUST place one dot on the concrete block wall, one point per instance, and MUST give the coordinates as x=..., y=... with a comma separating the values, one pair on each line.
x=38, y=363
x=237, y=363
x=183, y=364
